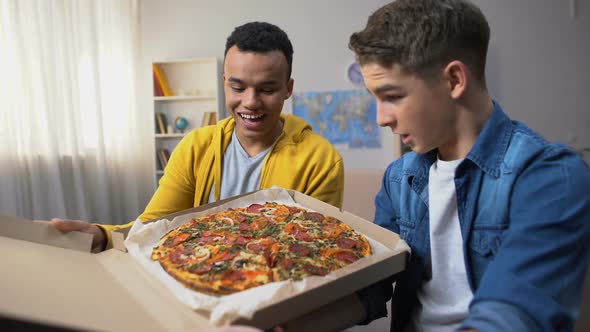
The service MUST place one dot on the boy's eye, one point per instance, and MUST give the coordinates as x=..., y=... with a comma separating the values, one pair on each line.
x=267, y=89
x=392, y=98
x=237, y=88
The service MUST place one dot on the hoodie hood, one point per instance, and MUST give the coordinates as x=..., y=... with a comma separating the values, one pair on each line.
x=295, y=129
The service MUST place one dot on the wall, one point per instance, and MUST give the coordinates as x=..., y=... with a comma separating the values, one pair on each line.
x=319, y=31
x=537, y=61
x=538, y=65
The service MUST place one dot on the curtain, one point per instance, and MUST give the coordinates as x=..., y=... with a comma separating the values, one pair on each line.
x=73, y=142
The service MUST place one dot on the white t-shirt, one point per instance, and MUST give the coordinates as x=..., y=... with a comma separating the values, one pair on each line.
x=445, y=298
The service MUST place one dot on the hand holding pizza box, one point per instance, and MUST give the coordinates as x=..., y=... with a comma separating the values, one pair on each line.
x=99, y=239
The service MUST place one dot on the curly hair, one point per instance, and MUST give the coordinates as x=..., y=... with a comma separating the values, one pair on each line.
x=423, y=35
x=261, y=37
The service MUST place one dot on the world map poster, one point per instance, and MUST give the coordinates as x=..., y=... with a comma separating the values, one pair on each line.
x=345, y=117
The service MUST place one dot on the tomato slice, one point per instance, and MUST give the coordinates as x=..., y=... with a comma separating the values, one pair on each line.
x=180, y=238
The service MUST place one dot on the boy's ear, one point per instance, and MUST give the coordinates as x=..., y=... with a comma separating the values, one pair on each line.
x=457, y=79
x=289, y=88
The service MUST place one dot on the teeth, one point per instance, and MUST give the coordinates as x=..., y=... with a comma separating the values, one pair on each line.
x=250, y=117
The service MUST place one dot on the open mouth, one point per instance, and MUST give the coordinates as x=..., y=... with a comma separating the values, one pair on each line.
x=251, y=117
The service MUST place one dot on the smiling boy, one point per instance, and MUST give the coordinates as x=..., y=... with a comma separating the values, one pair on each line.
x=256, y=148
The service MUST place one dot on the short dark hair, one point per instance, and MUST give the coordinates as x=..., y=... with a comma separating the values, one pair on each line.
x=261, y=37
x=423, y=35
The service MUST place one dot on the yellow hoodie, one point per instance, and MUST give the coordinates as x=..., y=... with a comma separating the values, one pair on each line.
x=301, y=160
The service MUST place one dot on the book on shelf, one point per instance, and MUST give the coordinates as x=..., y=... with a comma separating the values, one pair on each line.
x=156, y=124
x=161, y=80
x=157, y=86
x=161, y=123
x=163, y=157
x=209, y=118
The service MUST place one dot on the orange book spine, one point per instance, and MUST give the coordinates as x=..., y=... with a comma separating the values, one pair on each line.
x=161, y=77
x=157, y=86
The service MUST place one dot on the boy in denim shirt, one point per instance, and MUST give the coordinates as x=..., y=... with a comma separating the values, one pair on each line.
x=496, y=216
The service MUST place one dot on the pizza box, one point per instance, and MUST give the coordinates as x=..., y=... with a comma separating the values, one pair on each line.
x=53, y=280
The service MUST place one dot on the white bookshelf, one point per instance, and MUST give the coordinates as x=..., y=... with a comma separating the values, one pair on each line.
x=195, y=85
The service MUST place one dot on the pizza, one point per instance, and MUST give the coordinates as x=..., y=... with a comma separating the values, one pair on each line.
x=237, y=249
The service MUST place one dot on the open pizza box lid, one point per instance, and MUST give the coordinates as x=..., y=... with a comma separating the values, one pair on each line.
x=52, y=279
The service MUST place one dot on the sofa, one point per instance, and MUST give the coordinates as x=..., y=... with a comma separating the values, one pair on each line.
x=360, y=188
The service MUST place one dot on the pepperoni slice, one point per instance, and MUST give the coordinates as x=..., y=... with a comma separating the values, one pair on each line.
x=230, y=255
x=302, y=236
x=315, y=216
x=176, y=255
x=314, y=270
x=293, y=209
x=346, y=256
x=285, y=263
x=242, y=218
x=200, y=269
x=256, y=247
x=233, y=275
x=345, y=243
x=241, y=241
x=299, y=249
x=207, y=240
x=244, y=227
x=254, y=208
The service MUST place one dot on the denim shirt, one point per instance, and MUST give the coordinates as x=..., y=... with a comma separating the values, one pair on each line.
x=524, y=210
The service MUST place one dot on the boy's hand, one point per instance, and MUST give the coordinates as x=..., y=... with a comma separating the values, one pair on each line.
x=99, y=239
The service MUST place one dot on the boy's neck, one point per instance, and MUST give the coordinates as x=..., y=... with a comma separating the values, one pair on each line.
x=254, y=147
x=474, y=113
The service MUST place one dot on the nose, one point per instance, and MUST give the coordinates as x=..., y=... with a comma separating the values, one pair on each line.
x=250, y=99
x=385, y=116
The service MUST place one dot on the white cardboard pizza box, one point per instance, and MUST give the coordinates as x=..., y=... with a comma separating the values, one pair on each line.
x=52, y=279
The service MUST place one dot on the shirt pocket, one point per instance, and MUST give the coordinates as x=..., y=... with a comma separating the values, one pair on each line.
x=486, y=239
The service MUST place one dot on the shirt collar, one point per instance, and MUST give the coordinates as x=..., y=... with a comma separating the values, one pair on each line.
x=490, y=147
